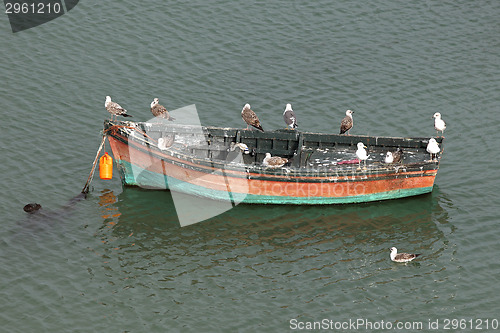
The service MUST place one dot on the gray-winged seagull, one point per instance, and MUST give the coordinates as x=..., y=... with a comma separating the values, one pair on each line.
x=289, y=117
x=439, y=123
x=361, y=153
x=433, y=148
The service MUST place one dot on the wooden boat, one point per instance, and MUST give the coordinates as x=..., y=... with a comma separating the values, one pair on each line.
x=322, y=168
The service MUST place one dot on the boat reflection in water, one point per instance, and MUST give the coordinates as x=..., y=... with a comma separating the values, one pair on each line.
x=151, y=215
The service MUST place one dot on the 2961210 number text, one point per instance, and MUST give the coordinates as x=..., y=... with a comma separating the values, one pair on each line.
x=32, y=8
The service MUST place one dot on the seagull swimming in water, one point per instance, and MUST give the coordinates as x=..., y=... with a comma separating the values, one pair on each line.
x=289, y=117
x=402, y=257
x=433, y=148
x=114, y=108
x=347, y=122
x=361, y=153
x=439, y=123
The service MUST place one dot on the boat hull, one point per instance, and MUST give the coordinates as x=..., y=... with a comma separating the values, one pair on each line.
x=141, y=166
x=277, y=193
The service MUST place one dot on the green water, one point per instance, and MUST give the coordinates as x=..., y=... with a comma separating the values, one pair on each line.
x=119, y=261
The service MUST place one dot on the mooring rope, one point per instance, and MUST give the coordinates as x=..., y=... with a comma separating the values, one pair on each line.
x=85, y=189
x=114, y=127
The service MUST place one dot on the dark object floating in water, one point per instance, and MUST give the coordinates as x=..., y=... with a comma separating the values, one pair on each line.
x=32, y=207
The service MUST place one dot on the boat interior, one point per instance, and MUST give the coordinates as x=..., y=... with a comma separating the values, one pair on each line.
x=304, y=150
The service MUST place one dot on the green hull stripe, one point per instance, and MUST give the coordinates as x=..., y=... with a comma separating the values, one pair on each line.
x=132, y=175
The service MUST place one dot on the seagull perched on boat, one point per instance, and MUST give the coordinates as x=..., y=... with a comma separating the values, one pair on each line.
x=159, y=110
x=274, y=161
x=433, y=148
x=402, y=257
x=388, y=158
x=243, y=147
x=394, y=157
x=236, y=151
x=166, y=141
x=250, y=117
x=289, y=117
x=347, y=122
x=361, y=153
x=114, y=108
x=439, y=123
x=398, y=155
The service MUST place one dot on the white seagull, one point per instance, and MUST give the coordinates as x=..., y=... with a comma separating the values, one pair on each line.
x=361, y=153
x=289, y=117
x=433, y=148
x=439, y=123
x=402, y=257
x=388, y=158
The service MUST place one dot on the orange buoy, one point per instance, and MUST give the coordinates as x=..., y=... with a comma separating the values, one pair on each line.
x=106, y=166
